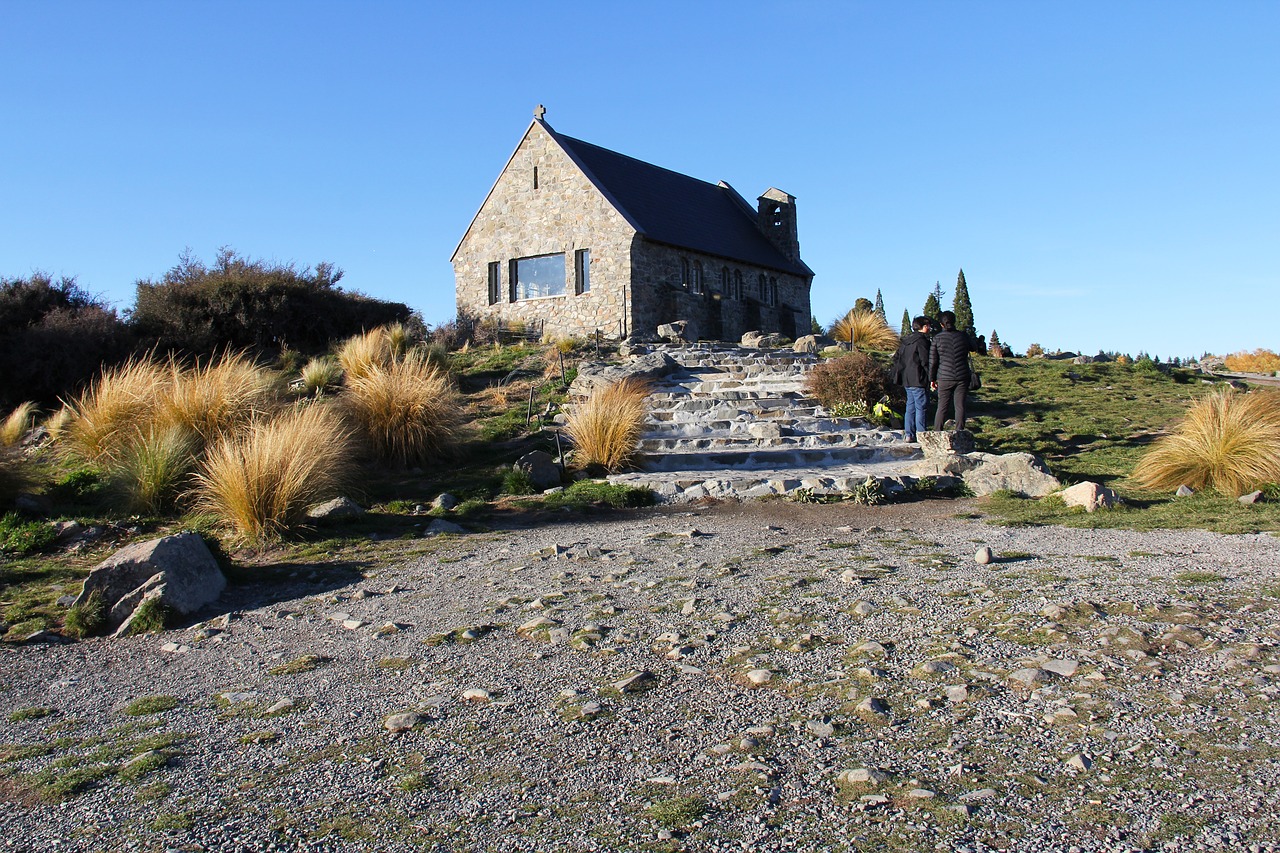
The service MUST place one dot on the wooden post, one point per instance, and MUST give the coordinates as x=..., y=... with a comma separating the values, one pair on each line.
x=529, y=415
x=559, y=453
x=563, y=381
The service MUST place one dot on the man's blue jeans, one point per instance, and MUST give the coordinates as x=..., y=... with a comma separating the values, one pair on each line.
x=914, y=421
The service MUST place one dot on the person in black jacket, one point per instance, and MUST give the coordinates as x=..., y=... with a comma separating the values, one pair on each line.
x=949, y=370
x=911, y=371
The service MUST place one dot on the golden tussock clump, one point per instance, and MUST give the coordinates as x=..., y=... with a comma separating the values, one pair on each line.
x=408, y=411
x=16, y=425
x=605, y=430
x=261, y=482
x=868, y=331
x=1228, y=441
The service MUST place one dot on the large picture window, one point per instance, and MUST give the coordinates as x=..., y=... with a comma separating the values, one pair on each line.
x=535, y=278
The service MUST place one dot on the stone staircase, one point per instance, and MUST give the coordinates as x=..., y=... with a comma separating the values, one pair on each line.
x=734, y=422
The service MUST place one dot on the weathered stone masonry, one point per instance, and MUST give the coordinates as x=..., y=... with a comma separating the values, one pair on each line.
x=662, y=247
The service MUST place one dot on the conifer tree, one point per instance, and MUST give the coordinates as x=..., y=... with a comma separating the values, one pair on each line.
x=906, y=322
x=962, y=308
x=931, y=307
x=879, y=307
x=863, y=305
x=994, y=347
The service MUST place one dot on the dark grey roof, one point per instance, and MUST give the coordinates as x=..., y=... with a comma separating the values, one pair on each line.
x=672, y=208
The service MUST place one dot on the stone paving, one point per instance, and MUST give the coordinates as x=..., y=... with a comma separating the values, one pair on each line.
x=735, y=422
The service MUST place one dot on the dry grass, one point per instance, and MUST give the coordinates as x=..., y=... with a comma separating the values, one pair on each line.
x=605, y=430
x=105, y=418
x=215, y=398
x=867, y=329
x=58, y=422
x=1228, y=441
x=408, y=411
x=152, y=469
x=262, y=482
x=16, y=425
x=321, y=374
x=365, y=353
x=1258, y=361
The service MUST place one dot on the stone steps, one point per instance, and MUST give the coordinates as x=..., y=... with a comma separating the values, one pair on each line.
x=735, y=422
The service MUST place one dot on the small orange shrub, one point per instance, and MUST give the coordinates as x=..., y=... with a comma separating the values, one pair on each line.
x=852, y=378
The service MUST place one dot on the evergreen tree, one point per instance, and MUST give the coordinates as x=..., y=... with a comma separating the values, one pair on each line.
x=938, y=293
x=815, y=327
x=962, y=308
x=863, y=305
x=994, y=347
x=906, y=322
x=932, y=308
x=879, y=308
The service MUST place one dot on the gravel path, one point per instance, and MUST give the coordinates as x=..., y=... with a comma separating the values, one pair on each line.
x=744, y=677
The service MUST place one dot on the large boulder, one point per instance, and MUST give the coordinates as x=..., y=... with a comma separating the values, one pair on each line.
x=541, y=468
x=335, y=511
x=593, y=376
x=673, y=332
x=760, y=340
x=806, y=343
x=945, y=443
x=984, y=473
x=177, y=572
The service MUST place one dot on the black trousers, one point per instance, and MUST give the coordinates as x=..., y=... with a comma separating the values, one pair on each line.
x=951, y=394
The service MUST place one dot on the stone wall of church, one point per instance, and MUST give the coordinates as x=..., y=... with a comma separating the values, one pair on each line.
x=662, y=295
x=555, y=210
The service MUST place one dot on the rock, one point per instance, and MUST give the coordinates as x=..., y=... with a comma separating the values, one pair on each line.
x=636, y=681
x=1089, y=495
x=764, y=429
x=863, y=608
x=280, y=707
x=946, y=443
x=445, y=501
x=761, y=340
x=593, y=376
x=862, y=776
x=983, y=556
x=475, y=694
x=806, y=343
x=872, y=705
x=1064, y=668
x=335, y=511
x=1184, y=491
x=1251, y=498
x=541, y=468
x=921, y=794
x=983, y=473
x=821, y=728
x=1029, y=676
x=440, y=526
x=957, y=694
x=673, y=332
x=1079, y=762
x=402, y=722
x=177, y=572
x=759, y=676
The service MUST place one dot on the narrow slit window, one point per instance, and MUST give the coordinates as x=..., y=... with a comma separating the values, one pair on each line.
x=535, y=177
x=495, y=282
x=582, y=271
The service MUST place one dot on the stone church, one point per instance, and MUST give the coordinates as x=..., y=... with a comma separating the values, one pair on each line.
x=578, y=238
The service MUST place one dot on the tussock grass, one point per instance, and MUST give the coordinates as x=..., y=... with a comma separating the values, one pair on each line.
x=867, y=330
x=152, y=469
x=261, y=482
x=408, y=411
x=1228, y=441
x=215, y=398
x=16, y=425
x=605, y=430
x=320, y=374
x=57, y=423
x=106, y=416
x=362, y=354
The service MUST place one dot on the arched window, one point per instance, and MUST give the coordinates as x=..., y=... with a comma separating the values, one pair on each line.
x=762, y=287
x=695, y=283
x=724, y=280
x=684, y=272
x=773, y=291
x=737, y=285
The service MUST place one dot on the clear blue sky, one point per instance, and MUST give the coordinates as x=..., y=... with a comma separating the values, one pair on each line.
x=1106, y=174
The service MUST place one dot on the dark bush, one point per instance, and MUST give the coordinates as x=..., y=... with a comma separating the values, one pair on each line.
x=54, y=337
x=852, y=378
x=255, y=305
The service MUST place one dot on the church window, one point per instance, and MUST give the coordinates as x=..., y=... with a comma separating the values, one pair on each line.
x=537, y=277
x=684, y=272
x=737, y=285
x=772, y=297
x=761, y=287
x=724, y=280
x=582, y=270
x=695, y=283
x=495, y=282
x=535, y=177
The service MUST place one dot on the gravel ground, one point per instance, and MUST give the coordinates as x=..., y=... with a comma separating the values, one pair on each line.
x=810, y=678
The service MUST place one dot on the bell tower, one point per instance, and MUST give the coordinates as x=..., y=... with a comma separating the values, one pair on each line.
x=776, y=218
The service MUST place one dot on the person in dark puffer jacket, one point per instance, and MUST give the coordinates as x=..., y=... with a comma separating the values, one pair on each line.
x=911, y=371
x=949, y=370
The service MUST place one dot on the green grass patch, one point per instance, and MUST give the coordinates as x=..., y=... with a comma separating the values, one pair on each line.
x=298, y=665
x=36, y=713
x=20, y=536
x=151, y=705
x=1199, y=577
x=675, y=812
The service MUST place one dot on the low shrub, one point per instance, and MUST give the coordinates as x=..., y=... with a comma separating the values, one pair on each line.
x=517, y=482
x=1258, y=361
x=850, y=379
x=1228, y=441
x=866, y=329
x=20, y=536
x=17, y=424
x=408, y=411
x=605, y=430
x=261, y=483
